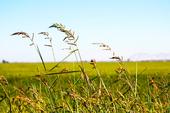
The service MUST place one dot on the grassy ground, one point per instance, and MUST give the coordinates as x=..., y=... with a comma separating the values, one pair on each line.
x=135, y=87
x=30, y=69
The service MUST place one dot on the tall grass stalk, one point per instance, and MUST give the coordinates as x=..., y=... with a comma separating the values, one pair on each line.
x=136, y=79
x=25, y=35
x=46, y=34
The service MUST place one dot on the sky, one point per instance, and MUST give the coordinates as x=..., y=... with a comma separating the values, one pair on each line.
x=129, y=27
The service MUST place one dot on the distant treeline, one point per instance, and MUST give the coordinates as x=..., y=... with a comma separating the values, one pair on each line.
x=5, y=61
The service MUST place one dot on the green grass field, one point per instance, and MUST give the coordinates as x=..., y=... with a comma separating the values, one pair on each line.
x=108, y=68
x=140, y=87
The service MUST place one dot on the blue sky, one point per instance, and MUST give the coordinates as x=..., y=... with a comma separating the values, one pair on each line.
x=128, y=26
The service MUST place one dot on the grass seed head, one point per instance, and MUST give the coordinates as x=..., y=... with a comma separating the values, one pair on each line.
x=23, y=34
x=3, y=80
x=93, y=63
x=44, y=33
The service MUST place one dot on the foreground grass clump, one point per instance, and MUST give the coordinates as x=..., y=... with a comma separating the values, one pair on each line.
x=117, y=91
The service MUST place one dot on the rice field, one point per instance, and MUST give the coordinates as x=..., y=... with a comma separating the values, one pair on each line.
x=142, y=87
x=108, y=68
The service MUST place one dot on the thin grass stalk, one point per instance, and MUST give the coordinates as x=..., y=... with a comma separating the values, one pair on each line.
x=101, y=80
x=136, y=79
x=55, y=73
x=52, y=50
x=53, y=84
x=8, y=98
x=74, y=66
x=50, y=40
x=53, y=54
x=81, y=61
x=25, y=35
x=83, y=69
x=85, y=77
x=61, y=61
x=51, y=97
x=71, y=110
x=39, y=53
x=149, y=101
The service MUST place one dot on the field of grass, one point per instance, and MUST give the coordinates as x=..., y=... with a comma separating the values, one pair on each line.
x=137, y=87
x=30, y=69
x=83, y=87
